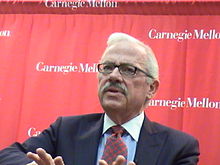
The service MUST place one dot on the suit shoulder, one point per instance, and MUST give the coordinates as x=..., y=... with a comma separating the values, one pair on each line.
x=172, y=133
x=75, y=120
x=179, y=146
x=80, y=117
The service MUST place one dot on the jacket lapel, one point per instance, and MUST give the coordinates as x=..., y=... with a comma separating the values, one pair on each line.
x=149, y=144
x=88, y=143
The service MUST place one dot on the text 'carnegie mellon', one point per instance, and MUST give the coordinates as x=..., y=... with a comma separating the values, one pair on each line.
x=188, y=103
x=81, y=67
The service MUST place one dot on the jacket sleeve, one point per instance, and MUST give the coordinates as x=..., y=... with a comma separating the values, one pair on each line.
x=16, y=153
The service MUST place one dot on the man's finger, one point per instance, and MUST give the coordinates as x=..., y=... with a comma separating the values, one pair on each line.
x=102, y=162
x=33, y=156
x=44, y=156
x=58, y=160
x=120, y=160
x=131, y=163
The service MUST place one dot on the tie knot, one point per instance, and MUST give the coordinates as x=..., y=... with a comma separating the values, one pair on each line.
x=118, y=130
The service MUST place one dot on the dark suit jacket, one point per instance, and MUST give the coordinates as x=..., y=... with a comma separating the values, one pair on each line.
x=76, y=139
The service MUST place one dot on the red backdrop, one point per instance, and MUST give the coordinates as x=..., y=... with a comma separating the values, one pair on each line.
x=48, y=57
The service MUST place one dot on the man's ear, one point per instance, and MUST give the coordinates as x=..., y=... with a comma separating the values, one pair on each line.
x=153, y=89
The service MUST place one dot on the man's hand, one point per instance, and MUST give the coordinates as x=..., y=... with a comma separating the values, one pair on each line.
x=120, y=160
x=43, y=158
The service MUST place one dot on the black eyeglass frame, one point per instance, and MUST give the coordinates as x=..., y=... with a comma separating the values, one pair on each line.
x=119, y=66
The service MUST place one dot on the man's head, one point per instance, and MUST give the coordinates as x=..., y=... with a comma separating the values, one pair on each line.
x=128, y=77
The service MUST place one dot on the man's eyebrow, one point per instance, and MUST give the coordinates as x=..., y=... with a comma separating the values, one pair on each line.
x=123, y=63
x=107, y=62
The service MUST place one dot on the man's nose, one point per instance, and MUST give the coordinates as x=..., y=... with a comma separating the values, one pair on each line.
x=115, y=75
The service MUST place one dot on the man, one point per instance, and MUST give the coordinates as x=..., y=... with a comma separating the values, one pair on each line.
x=128, y=78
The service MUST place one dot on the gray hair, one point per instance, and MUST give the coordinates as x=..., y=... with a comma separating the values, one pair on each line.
x=151, y=63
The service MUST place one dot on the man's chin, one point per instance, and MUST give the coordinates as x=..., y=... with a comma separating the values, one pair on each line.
x=112, y=105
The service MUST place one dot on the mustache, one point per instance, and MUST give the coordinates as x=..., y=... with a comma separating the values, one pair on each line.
x=117, y=85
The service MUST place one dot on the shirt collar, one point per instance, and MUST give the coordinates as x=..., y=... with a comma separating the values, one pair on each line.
x=133, y=126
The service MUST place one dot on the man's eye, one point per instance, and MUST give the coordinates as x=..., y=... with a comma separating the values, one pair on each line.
x=128, y=69
x=108, y=67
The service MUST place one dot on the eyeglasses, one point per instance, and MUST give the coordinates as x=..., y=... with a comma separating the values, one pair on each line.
x=124, y=69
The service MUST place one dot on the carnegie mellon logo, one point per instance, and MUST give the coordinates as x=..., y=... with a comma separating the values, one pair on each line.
x=70, y=67
x=5, y=33
x=32, y=131
x=184, y=35
x=189, y=102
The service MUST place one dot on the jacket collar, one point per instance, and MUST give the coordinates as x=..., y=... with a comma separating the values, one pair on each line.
x=149, y=145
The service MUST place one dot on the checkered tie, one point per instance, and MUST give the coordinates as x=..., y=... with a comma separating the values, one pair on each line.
x=115, y=145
